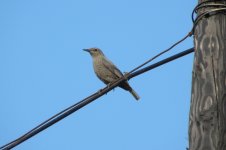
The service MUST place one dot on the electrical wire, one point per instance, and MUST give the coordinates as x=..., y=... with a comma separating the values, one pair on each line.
x=88, y=100
x=216, y=5
x=80, y=104
x=44, y=123
x=176, y=56
x=161, y=53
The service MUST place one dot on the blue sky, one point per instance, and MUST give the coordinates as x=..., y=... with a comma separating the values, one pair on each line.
x=44, y=70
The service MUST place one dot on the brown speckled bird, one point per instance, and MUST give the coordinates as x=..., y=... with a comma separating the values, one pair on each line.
x=106, y=71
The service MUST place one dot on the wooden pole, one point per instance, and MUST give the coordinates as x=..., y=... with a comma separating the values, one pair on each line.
x=207, y=119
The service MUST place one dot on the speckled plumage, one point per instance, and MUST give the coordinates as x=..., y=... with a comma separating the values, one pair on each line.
x=106, y=71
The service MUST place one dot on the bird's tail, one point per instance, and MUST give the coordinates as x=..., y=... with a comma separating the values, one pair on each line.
x=135, y=95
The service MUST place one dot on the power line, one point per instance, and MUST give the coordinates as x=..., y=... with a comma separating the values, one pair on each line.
x=163, y=52
x=88, y=100
x=164, y=61
x=217, y=7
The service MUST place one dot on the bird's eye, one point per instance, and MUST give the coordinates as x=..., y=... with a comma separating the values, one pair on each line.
x=95, y=49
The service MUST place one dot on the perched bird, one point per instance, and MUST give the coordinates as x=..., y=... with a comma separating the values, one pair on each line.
x=106, y=71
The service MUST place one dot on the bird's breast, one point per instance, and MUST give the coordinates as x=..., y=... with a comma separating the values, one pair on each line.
x=103, y=72
x=99, y=68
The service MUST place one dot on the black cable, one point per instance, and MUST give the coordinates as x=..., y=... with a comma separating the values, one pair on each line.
x=201, y=5
x=159, y=54
x=43, y=123
x=88, y=100
x=181, y=54
x=216, y=5
x=59, y=115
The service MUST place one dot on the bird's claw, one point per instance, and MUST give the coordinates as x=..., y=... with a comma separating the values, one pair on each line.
x=126, y=75
x=109, y=84
x=100, y=91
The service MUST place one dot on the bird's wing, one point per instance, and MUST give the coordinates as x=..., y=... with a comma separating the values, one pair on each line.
x=112, y=68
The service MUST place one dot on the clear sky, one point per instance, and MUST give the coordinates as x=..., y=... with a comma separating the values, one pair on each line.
x=44, y=70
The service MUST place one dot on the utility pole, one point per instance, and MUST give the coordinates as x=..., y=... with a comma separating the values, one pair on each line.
x=207, y=119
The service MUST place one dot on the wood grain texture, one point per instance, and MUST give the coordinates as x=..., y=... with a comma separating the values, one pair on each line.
x=207, y=119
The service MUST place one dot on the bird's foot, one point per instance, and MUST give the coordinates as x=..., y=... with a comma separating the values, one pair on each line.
x=109, y=84
x=100, y=91
x=126, y=75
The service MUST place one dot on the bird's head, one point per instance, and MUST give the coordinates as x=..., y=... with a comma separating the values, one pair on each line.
x=94, y=52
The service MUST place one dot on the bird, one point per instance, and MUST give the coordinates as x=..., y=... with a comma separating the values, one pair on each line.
x=106, y=71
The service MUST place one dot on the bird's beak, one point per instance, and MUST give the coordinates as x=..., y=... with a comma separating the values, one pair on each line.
x=87, y=50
